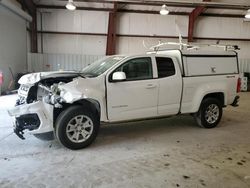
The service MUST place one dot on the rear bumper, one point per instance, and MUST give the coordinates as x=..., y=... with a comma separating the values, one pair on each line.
x=236, y=101
x=35, y=118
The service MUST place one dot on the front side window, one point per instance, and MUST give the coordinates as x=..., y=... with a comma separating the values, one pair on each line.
x=137, y=69
x=165, y=67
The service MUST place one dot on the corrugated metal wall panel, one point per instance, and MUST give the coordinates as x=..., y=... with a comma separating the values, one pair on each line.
x=244, y=65
x=73, y=44
x=151, y=24
x=75, y=21
x=54, y=62
x=133, y=24
x=222, y=27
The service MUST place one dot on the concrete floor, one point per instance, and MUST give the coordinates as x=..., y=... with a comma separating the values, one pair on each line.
x=171, y=152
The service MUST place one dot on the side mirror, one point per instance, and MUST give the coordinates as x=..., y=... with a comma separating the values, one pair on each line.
x=118, y=76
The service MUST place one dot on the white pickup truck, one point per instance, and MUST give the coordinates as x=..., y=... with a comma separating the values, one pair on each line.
x=71, y=105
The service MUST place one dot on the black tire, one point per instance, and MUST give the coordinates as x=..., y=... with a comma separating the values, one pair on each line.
x=207, y=118
x=68, y=127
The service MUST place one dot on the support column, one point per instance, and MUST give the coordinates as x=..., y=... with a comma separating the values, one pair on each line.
x=192, y=18
x=33, y=34
x=31, y=8
x=111, y=37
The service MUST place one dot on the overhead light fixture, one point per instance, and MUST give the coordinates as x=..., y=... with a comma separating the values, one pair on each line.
x=248, y=14
x=70, y=5
x=164, y=10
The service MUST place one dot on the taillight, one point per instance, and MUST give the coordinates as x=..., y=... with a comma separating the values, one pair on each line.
x=1, y=78
x=238, y=85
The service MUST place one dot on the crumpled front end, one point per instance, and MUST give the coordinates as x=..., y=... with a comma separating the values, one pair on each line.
x=32, y=113
x=40, y=100
x=35, y=118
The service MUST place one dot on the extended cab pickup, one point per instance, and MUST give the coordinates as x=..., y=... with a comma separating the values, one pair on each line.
x=71, y=105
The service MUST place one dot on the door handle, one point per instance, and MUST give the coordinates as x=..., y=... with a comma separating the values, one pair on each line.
x=150, y=86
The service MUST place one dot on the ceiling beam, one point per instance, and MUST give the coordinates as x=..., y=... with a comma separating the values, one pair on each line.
x=173, y=4
x=78, y=8
x=140, y=11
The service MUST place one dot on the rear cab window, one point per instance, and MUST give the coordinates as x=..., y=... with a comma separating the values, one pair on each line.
x=165, y=67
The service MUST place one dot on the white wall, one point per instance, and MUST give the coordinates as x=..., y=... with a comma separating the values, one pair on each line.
x=146, y=24
x=134, y=24
x=151, y=24
x=222, y=27
x=56, y=62
x=76, y=21
x=74, y=44
x=13, y=44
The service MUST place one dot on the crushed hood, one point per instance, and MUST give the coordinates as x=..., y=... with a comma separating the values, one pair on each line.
x=33, y=78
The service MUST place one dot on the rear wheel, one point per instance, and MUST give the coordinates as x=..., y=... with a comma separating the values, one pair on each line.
x=77, y=127
x=209, y=114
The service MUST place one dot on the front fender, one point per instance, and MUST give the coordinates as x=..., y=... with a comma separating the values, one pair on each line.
x=85, y=89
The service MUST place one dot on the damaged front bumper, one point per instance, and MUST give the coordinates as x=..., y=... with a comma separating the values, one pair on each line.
x=36, y=118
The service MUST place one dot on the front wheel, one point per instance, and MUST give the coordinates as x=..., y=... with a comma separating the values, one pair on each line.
x=209, y=114
x=77, y=127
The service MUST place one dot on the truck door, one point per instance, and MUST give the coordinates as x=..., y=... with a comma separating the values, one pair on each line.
x=135, y=97
x=170, y=86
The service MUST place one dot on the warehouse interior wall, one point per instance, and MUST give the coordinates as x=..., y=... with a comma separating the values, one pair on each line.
x=136, y=32
x=13, y=45
x=152, y=25
x=76, y=21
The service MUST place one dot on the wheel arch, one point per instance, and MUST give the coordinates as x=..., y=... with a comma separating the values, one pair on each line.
x=92, y=104
x=216, y=95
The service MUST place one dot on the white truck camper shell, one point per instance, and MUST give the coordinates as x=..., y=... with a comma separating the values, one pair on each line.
x=204, y=63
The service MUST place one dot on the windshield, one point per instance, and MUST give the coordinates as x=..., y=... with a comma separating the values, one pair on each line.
x=101, y=65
